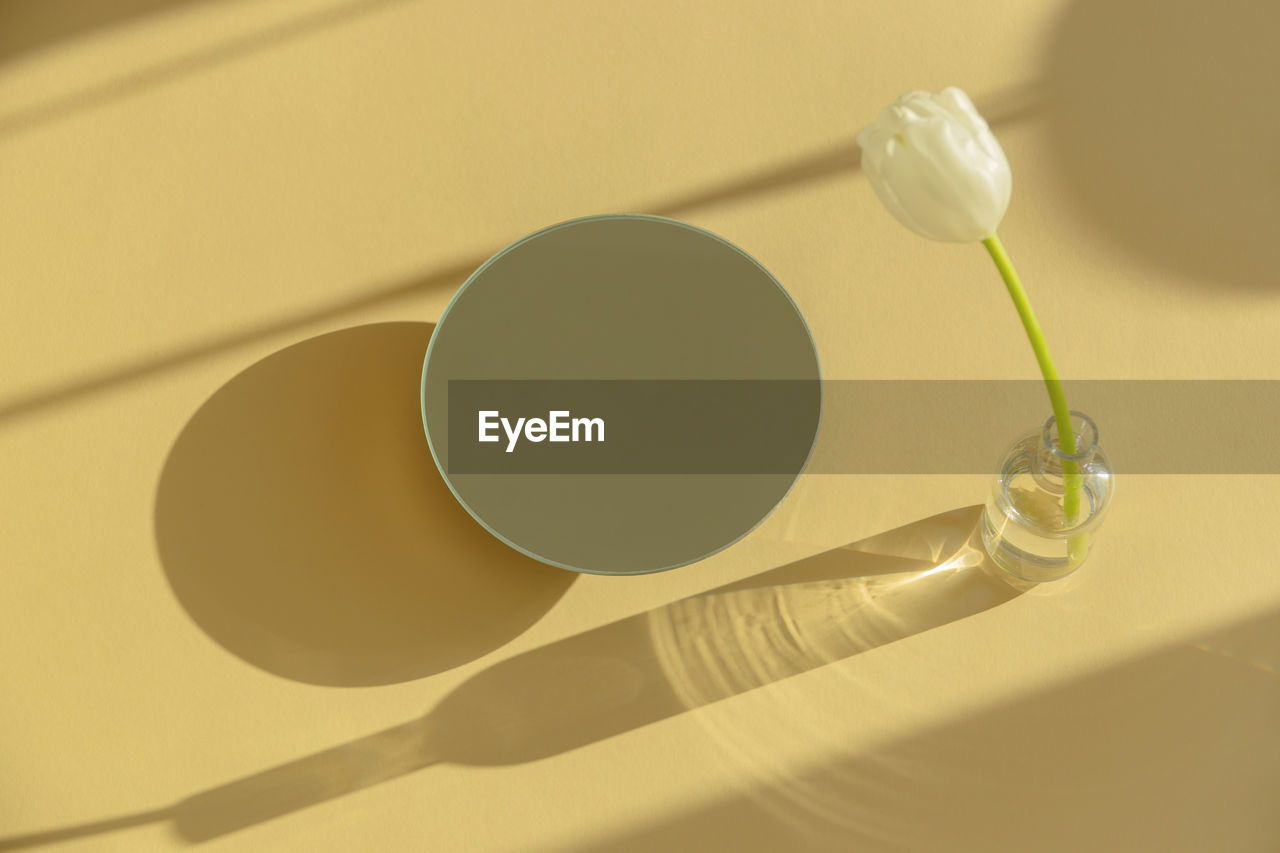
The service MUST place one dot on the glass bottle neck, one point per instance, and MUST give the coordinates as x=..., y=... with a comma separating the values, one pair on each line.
x=1052, y=461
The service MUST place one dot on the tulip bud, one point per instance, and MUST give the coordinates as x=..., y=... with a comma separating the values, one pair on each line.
x=936, y=166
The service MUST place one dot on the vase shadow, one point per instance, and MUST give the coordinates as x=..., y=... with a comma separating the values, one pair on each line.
x=1096, y=763
x=303, y=525
x=633, y=672
x=1169, y=151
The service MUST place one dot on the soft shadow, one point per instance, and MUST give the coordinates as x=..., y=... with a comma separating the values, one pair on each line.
x=634, y=672
x=1003, y=108
x=450, y=276
x=304, y=526
x=29, y=25
x=1166, y=127
x=1178, y=751
x=40, y=28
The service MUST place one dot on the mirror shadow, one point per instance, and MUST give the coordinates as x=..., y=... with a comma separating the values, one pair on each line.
x=1172, y=150
x=633, y=672
x=1175, y=751
x=303, y=525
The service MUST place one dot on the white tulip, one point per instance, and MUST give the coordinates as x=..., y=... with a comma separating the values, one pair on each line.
x=935, y=164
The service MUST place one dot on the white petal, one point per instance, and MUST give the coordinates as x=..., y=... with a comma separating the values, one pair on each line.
x=957, y=104
x=936, y=166
x=898, y=194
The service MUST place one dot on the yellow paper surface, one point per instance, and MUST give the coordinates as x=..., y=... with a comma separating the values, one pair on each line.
x=189, y=188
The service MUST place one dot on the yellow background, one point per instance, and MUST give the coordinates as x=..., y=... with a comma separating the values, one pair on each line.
x=187, y=188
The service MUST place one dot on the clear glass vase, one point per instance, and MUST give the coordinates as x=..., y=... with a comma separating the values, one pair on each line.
x=1046, y=504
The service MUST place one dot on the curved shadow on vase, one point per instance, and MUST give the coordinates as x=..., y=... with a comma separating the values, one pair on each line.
x=303, y=525
x=628, y=674
x=1171, y=149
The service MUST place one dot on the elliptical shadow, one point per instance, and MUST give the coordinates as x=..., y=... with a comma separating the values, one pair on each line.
x=636, y=671
x=303, y=525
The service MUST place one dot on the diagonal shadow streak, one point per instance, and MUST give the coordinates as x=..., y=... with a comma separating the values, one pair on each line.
x=1090, y=762
x=29, y=26
x=631, y=673
x=161, y=73
x=1006, y=108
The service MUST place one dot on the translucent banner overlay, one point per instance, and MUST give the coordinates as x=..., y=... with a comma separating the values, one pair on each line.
x=632, y=426
x=867, y=426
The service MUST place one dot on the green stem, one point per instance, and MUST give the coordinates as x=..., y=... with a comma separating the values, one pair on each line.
x=1077, y=545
